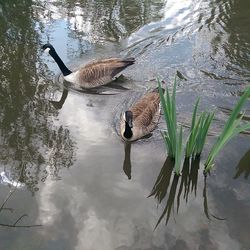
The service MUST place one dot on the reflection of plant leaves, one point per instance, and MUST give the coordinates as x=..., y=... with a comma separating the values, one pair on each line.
x=243, y=166
x=205, y=206
x=170, y=201
x=161, y=185
x=184, y=181
x=189, y=180
x=205, y=202
x=194, y=173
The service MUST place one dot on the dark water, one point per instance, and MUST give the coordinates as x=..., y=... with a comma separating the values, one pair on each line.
x=79, y=188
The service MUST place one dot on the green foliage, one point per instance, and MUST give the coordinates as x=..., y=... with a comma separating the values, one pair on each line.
x=193, y=132
x=231, y=129
x=198, y=132
x=178, y=152
x=172, y=138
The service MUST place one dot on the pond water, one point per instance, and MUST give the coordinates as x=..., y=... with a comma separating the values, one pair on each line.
x=79, y=187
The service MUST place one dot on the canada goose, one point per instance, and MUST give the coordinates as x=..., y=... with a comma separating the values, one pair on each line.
x=93, y=74
x=141, y=118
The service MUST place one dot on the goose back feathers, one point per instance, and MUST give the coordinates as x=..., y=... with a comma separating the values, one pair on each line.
x=145, y=116
x=102, y=72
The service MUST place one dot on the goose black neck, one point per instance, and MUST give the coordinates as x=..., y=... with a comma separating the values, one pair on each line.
x=128, y=131
x=60, y=63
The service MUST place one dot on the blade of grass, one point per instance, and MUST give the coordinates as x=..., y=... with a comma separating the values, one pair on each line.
x=203, y=131
x=241, y=129
x=168, y=103
x=178, y=153
x=230, y=130
x=167, y=120
x=193, y=132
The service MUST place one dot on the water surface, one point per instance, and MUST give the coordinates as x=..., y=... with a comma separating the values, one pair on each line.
x=80, y=187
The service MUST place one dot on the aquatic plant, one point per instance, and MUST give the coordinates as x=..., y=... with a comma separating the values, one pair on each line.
x=198, y=132
x=172, y=136
x=173, y=190
x=231, y=129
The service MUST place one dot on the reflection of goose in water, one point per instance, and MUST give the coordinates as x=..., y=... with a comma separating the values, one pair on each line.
x=113, y=88
x=91, y=75
x=127, y=161
x=59, y=104
x=141, y=118
x=103, y=90
x=187, y=185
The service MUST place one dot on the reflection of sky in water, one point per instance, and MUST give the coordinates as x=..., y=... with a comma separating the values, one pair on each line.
x=107, y=211
x=105, y=216
x=176, y=15
x=64, y=45
x=94, y=205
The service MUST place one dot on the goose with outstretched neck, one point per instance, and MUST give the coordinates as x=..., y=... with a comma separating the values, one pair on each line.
x=91, y=75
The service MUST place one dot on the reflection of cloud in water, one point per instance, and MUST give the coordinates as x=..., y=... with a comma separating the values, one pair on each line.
x=112, y=212
x=98, y=227
x=47, y=210
x=86, y=123
x=97, y=233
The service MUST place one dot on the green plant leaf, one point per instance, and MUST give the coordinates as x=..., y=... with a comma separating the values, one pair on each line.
x=230, y=130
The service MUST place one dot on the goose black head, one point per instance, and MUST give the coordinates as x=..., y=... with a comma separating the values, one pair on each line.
x=48, y=47
x=128, y=117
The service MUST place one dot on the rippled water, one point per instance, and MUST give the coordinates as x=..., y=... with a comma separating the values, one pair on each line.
x=79, y=187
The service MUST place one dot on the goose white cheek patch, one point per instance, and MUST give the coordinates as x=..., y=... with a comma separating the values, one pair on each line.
x=47, y=50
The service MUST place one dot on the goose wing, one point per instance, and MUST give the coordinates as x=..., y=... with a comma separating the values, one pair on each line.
x=146, y=110
x=102, y=71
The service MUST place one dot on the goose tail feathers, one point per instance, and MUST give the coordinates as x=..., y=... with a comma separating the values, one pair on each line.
x=129, y=61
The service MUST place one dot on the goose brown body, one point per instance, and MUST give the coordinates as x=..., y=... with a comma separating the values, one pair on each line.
x=146, y=114
x=93, y=74
x=101, y=72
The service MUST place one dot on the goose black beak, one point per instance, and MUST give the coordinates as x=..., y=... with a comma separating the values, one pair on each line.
x=129, y=118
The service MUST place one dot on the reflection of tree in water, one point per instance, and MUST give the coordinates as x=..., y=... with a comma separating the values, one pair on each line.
x=101, y=19
x=16, y=222
x=236, y=24
x=229, y=23
x=26, y=131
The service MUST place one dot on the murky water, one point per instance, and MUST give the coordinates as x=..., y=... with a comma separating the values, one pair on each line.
x=79, y=187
